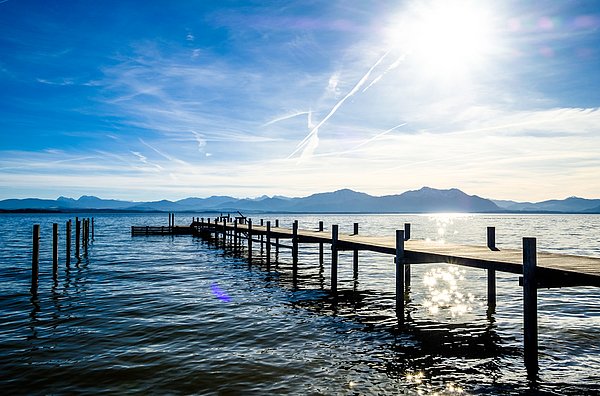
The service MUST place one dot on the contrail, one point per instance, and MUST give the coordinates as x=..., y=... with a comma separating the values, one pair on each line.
x=390, y=68
x=309, y=142
x=353, y=149
x=169, y=157
x=379, y=135
x=285, y=117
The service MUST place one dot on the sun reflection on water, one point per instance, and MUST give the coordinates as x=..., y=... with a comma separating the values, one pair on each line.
x=423, y=387
x=444, y=291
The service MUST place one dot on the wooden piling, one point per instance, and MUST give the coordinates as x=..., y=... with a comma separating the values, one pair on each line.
x=530, y=306
x=407, y=266
x=235, y=234
x=68, y=243
x=321, y=244
x=92, y=228
x=250, y=240
x=491, y=273
x=355, y=256
x=224, y=234
x=334, y=257
x=35, y=259
x=77, y=236
x=400, y=274
x=262, y=236
x=268, y=238
x=276, y=242
x=84, y=234
x=491, y=238
x=217, y=232
x=295, y=249
x=54, y=250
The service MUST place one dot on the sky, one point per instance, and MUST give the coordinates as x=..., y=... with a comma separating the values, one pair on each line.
x=166, y=100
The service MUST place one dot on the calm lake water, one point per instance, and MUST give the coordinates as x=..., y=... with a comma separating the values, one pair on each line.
x=176, y=315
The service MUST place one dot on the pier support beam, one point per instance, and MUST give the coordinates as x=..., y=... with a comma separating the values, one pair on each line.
x=334, y=257
x=224, y=234
x=491, y=273
x=321, y=244
x=35, y=259
x=268, y=238
x=355, y=256
x=68, y=243
x=55, y=251
x=276, y=242
x=262, y=236
x=400, y=275
x=406, y=266
x=530, y=306
x=77, y=236
x=235, y=235
x=295, y=249
x=250, y=240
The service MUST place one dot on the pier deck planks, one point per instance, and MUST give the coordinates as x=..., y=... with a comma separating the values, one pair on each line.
x=555, y=269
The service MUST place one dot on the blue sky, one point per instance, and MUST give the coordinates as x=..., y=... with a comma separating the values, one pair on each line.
x=157, y=99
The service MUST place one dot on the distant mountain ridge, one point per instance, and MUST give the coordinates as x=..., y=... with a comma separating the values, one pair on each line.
x=424, y=200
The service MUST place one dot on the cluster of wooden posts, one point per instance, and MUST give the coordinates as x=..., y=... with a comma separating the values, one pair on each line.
x=84, y=232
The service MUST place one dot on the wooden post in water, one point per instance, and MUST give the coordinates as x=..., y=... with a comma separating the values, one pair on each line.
x=250, y=240
x=334, y=257
x=277, y=242
x=295, y=249
x=54, y=250
x=491, y=273
x=400, y=274
x=235, y=235
x=355, y=257
x=262, y=236
x=92, y=228
x=321, y=244
x=268, y=245
x=86, y=233
x=77, y=236
x=406, y=266
x=217, y=232
x=35, y=259
x=86, y=230
x=224, y=234
x=530, y=305
x=68, y=243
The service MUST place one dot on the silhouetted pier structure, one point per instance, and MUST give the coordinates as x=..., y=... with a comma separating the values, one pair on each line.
x=537, y=269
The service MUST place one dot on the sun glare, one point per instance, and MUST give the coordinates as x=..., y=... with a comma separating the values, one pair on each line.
x=446, y=38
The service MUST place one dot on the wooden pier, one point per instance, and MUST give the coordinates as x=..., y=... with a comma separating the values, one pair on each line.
x=537, y=269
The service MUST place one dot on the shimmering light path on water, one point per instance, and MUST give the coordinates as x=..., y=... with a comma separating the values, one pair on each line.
x=176, y=315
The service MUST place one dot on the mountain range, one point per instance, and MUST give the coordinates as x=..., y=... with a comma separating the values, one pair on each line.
x=425, y=200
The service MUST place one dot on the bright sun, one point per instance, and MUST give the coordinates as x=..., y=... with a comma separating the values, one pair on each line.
x=446, y=38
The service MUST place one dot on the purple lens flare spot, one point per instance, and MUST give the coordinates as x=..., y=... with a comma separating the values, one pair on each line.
x=219, y=293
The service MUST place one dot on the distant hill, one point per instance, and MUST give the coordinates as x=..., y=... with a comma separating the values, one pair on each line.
x=569, y=205
x=424, y=200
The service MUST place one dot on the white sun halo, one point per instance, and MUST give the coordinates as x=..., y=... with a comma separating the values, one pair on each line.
x=446, y=37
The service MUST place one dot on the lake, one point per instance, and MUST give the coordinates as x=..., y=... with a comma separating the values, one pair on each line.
x=176, y=315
